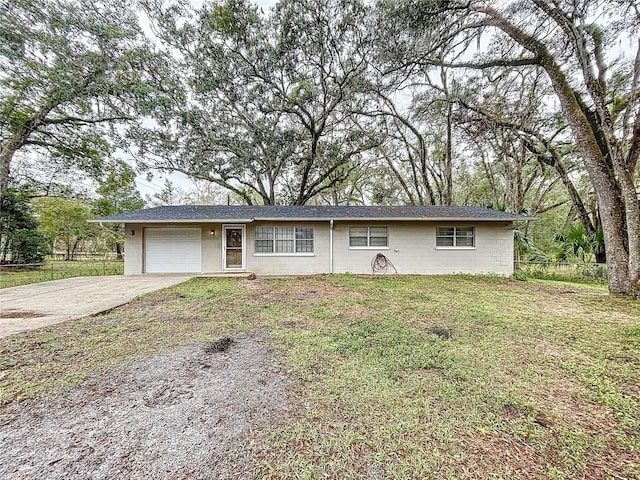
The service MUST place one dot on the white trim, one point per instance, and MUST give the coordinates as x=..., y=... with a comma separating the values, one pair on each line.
x=226, y=227
x=330, y=246
x=294, y=239
x=173, y=220
x=386, y=219
x=454, y=237
x=368, y=246
x=317, y=219
x=288, y=254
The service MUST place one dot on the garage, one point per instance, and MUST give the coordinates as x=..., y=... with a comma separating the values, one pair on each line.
x=172, y=250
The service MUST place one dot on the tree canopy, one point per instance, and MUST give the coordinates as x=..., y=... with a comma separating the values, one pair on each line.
x=20, y=240
x=269, y=102
x=69, y=72
x=528, y=106
x=597, y=93
x=64, y=222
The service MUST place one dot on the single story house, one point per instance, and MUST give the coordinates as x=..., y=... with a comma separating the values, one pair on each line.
x=294, y=240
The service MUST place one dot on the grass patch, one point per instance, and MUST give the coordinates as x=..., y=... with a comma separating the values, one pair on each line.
x=56, y=270
x=588, y=273
x=395, y=377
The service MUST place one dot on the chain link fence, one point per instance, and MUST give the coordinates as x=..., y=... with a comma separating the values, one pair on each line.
x=575, y=272
x=14, y=275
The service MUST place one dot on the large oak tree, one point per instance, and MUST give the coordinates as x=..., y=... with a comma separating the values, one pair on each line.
x=269, y=101
x=598, y=93
x=70, y=70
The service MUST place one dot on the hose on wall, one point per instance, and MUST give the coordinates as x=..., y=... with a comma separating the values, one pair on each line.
x=380, y=264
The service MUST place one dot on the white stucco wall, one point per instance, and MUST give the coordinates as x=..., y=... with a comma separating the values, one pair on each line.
x=290, y=264
x=133, y=241
x=211, y=248
x=412, y=249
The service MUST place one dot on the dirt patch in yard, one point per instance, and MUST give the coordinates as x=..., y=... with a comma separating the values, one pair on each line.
x=20, y=314
x=308, y=291
x=253, y=284
x=182, y=414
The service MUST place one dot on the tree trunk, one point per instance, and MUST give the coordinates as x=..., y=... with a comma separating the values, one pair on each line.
x=610, y=206
x=448, y=192
x=6, y=155
x=75, y=247
x=17, y=141
x=617, y=203
x=632, y=218
x=448, y=165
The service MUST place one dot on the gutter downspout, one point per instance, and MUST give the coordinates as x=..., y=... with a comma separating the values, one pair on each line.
x=331, y=246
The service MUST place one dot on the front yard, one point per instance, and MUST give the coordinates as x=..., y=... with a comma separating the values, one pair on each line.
x=342, y=377
x=57, y=269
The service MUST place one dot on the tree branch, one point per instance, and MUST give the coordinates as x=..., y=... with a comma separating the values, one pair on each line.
x=81, y=121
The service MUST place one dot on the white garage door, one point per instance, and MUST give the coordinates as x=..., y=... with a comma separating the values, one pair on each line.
x=172, y=250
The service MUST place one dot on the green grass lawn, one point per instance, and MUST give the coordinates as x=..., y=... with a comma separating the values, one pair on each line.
x=446, y=377
x=56, y=270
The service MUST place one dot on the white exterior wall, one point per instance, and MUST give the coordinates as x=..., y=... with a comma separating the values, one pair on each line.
x=290, y=263
x=133, y=250
x=211, y=248
x=412, y=249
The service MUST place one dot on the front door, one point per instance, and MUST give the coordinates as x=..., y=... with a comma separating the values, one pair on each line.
x=233, y=251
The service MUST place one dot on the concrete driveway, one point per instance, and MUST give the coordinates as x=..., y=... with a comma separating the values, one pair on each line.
x=41, y=304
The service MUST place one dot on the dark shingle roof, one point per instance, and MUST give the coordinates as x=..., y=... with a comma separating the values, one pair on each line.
x=248, y=213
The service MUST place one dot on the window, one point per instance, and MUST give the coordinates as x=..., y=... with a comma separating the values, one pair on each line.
x=368, y=237
x=304, y=240
x=284, y=240
x=264, y=240
x=455, y=237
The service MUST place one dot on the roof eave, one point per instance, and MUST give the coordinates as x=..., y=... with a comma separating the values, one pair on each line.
x=315, y=219
x=388, y=219
x=181, y=220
